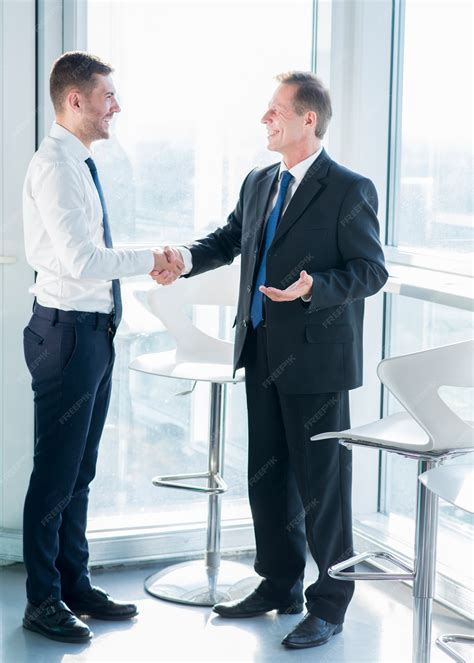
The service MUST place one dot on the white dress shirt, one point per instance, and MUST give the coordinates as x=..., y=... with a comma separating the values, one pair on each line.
x=64, y=235
x=298, y=171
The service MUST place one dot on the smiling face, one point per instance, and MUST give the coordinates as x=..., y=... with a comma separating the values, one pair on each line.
x=288, y=133
x=87, y=112
x=99, y=106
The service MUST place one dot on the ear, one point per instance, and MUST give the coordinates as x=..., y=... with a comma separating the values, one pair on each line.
x=311, y=119
x=74, y=101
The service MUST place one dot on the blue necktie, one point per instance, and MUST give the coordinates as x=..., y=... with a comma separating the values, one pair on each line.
x=108, y=241
x=256, y=308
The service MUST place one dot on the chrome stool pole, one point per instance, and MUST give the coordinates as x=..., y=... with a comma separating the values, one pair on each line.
x=216, y=452
x=198, y=583
x=424, y=572
x=425, y=566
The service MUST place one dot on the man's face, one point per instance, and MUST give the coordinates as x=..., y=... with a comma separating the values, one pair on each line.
x=285, y=129
x=98, y=108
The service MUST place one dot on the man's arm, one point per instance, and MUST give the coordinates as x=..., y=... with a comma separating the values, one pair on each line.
x=358, y=238
x=60, y=200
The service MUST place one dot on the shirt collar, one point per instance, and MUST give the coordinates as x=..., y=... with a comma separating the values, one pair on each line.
x=71, y=142
x=300, y=169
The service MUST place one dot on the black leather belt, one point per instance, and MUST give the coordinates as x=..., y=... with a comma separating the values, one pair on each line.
x=91, y=318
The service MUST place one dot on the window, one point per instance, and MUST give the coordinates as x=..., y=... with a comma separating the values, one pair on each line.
x=433, y=206
x=430, y=225
x=193, y=79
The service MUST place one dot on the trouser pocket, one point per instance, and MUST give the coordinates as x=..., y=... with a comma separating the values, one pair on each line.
x=33, y=349
x=68, y=346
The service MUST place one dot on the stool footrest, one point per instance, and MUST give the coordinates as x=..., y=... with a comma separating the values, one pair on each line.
x=442, y=642
x=337, y=570
x=173, y=481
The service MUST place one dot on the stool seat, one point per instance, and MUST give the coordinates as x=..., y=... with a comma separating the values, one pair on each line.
x=396, y=432
x=454, y=484
x=167, y=364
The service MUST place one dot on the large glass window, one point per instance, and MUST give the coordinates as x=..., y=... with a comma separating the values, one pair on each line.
x=430, y=218
x=193, y=79
x=434, y=193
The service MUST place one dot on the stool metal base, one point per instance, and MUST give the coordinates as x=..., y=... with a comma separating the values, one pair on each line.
x=338, y=570
x=443, y=641
x=219, y=486
x=192, y=584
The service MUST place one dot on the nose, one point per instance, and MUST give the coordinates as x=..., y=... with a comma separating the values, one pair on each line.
x=265, y=118
x=116, y=107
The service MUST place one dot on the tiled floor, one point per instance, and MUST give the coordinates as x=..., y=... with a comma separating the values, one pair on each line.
x=377, y=629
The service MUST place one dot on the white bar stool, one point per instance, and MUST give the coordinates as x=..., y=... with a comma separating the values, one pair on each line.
x=430, y=431
x=199, y=357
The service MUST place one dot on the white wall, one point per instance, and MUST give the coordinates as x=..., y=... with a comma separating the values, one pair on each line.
x=17, y=137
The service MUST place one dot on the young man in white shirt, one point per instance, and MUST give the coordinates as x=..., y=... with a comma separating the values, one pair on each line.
x=68, y=345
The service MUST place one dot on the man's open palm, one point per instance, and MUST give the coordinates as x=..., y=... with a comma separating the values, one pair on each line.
x=301, y=288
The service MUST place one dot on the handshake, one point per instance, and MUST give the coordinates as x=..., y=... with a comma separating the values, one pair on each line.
x=169, y=265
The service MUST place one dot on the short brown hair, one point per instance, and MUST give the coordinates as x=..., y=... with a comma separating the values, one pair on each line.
x=310, y=95
x=74, y=69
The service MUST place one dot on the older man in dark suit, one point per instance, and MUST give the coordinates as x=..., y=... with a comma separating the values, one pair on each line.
x=300, y=341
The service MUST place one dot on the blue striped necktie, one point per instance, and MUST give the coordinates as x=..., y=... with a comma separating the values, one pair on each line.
x=116, y=292
x=256, y=308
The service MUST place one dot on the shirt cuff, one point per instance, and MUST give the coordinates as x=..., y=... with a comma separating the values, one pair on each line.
x=187, y=258
x=145, y=260
x=307, y=298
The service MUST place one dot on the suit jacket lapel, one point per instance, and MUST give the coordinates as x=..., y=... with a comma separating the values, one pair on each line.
x=311, y=186
x=264, y=188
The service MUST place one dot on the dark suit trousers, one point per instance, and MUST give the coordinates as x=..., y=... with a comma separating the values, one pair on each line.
x=71, y=367
x=299, y=491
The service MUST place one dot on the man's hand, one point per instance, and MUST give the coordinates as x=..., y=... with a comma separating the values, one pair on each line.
x=169, y=265
x=303, y=287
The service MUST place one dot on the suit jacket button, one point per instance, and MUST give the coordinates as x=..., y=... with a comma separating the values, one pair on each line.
x=245, y=323
x=249, y=288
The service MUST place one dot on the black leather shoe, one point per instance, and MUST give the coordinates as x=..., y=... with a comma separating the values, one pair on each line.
x=255, y=604
x=311, y=632
x=56, y=622
x=98, y=604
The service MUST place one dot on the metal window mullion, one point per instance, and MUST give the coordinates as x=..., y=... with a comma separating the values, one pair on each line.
x=395, y=119
x=314, y=35
x=74, y=32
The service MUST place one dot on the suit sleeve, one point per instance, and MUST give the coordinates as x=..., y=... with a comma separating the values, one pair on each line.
x=221, y=246
x=364, y=272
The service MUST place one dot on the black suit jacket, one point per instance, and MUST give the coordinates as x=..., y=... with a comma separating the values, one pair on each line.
x=330, y=229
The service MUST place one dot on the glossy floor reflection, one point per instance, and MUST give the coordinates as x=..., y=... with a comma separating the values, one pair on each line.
x=377, y=629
